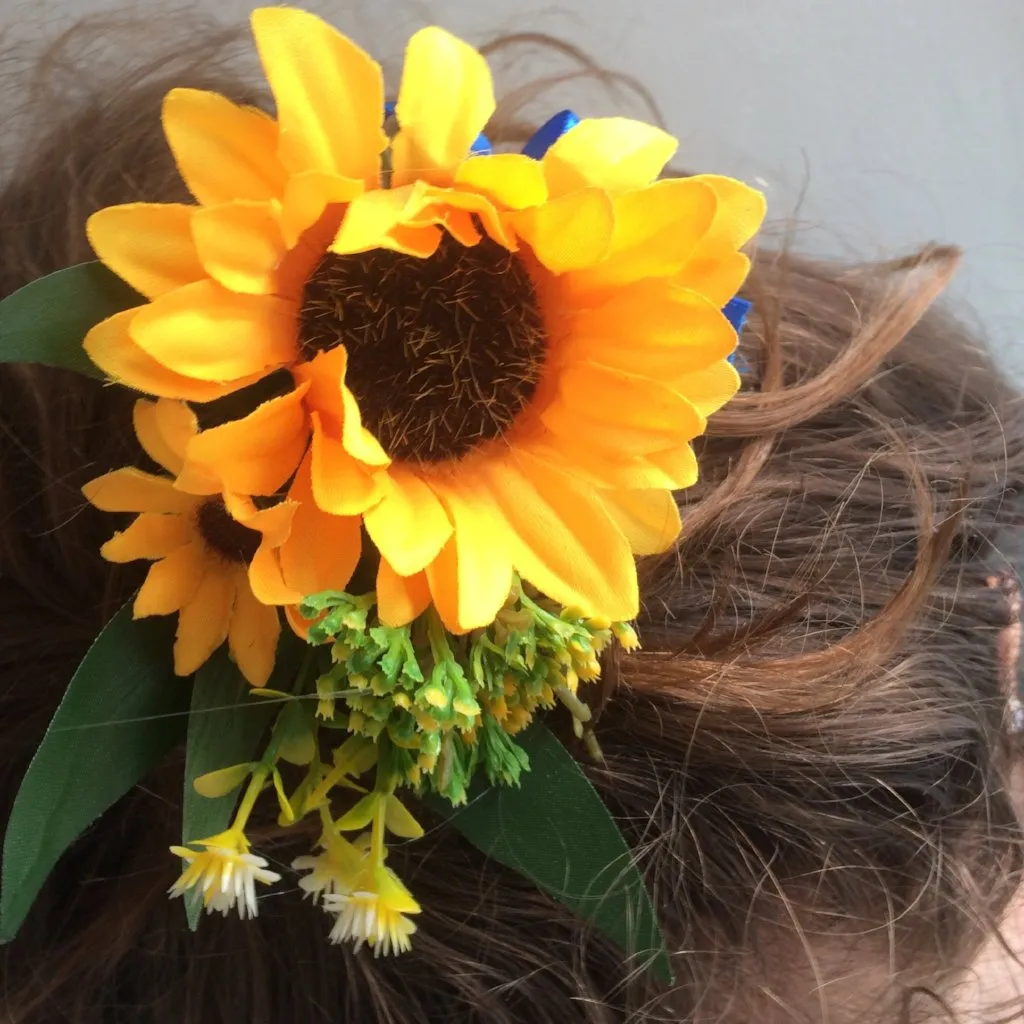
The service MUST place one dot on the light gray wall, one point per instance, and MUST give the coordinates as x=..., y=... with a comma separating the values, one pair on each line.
x=878, y=124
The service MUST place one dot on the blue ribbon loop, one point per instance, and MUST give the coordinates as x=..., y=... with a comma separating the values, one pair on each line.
x=736, y=311
x=549, y=133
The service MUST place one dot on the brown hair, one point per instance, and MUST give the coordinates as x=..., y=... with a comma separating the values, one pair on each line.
x=809, y=756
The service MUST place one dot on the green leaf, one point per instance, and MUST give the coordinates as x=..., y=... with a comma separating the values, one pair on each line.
x=555, y=830
x=47, y=320
x=225, y=727
x=123, y=710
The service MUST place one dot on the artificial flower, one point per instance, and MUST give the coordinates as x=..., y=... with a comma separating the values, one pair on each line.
x=335, y=869
x=203, y=550
x=375, y=912
x=497, y=364
x=224, y=872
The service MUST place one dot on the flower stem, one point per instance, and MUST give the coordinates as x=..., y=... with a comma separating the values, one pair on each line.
x=437, y=634
x=377, y=832
x=252, y=792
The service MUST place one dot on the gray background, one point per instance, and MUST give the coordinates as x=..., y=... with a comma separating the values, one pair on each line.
x=873, y=125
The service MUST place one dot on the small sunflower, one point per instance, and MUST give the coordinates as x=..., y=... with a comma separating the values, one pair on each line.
x=203, y=549
x=495, y=364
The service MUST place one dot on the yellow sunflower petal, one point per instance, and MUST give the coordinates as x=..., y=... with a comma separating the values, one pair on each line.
x=266, y=577
x=209, y=333
x=708, y=389
x=562, y=538
x=740, y=210
x=308, y=195
x=715, y=270
x=657, y=229
x=371, y=216
x=253, y=635
x=610, y=468
x=679, y=464
x=274, y=522
x=359, y=442
x=324, y=376
x=337, y=406
x=613, y=153
x=110, y=346
x=470, y=579
x=648, y=518
x=164, y=428
x=624, y=437
x=300, y=626
x=409, y=526
x=645, y=415
x=445, y=98
x=171, y=582
x=322, y=550
x=254, y=455
x=132, y=490
x=451, y=208
x=342, y=485
x=511, y=180
x=241, y=245
x=203, y=622
x=569, y=232
x=329, y=94
x=651, y=328
x=400, y=599
x=149, y=536
x=149, y=245
x=223, y=151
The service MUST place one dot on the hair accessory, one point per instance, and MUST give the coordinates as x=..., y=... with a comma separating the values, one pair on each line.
x=412, y=407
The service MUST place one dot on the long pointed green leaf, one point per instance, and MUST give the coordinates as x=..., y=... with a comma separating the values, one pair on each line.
x=555, y=830
x=225, y=727
x=123, y=710
x=47, y=320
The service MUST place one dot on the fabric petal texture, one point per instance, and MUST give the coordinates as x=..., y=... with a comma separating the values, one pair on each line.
x=204, y=620
x=224, y=152
x=614, y=153
x=149, y=245
x=164, y=430
x=439, y=116
x=171, y=582
x=241, y=245
x=254, y=455
x=310, y=65
x=209, y=333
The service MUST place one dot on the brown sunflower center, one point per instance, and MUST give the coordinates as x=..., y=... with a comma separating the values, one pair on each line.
x=228, y=537
x=443, y=352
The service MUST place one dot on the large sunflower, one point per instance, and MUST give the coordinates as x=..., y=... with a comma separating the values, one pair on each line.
x=495, y=363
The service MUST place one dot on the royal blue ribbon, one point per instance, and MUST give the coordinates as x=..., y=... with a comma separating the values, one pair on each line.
x=736, y=311
x=549, y=133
